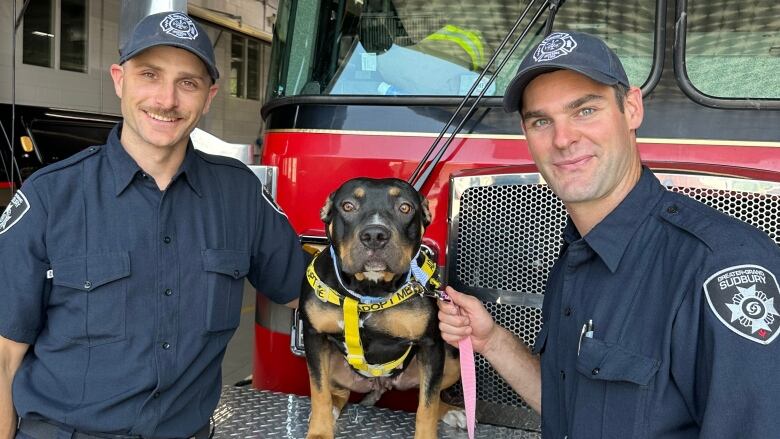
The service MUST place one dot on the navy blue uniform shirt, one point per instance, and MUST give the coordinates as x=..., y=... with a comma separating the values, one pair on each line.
x=129, y=294
x=683, y=303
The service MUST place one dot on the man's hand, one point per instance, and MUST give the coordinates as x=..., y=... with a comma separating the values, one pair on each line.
x=466, y=316
x=11, y=355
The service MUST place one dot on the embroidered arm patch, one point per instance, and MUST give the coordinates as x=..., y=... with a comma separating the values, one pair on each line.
x=16, y=209
x=743, y=297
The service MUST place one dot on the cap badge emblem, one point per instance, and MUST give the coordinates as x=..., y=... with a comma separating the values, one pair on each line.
x=555, y=45
x=179, y=26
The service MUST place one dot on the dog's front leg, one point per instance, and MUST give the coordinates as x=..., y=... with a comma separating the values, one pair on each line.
x=318, y=351
x=431, y=364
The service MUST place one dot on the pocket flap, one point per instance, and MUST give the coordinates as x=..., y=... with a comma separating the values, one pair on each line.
x=599, y=360
x=92, y=271
x=541, y=339
x=233, y=263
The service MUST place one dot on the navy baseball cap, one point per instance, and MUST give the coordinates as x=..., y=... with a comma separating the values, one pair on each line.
x=577, y=51
x=170, y=29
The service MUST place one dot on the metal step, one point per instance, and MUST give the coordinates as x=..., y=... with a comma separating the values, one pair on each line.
x=244, y=412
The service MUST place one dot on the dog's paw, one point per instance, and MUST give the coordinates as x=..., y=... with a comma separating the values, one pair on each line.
x=455, y=418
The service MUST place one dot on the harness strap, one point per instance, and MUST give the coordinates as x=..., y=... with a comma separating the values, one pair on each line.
x=355, y=355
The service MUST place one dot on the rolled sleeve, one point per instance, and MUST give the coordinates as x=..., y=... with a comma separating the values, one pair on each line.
x=23, y=281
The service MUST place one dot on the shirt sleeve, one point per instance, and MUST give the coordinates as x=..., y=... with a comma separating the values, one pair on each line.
x=278, y=261
x=23, y=282
x=726, y=347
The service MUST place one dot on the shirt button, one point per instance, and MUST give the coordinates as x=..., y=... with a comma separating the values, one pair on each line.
x=167, y=240
x=168, y=292
x=166, y=345
x=563, y=375
x=235, y=273
x=595, y=371
x=672, y=209
x=156, y=395
x=87, y=285
x=567, y=311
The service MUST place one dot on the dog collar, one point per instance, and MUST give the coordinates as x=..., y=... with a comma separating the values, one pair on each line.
x=422, y=275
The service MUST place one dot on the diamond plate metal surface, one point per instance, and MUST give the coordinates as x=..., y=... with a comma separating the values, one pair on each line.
x=244, y=412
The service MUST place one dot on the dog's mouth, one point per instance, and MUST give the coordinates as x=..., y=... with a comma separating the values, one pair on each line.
x=374, y=266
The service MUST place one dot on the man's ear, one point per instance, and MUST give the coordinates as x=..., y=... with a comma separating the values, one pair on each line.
x=426, y=213
x=634, y=108
x=212, y=92
x=117, y=75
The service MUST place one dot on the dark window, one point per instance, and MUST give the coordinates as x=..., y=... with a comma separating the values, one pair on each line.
x=253, y=70
x=73, y=36
x=39, y=34
x=237, y=45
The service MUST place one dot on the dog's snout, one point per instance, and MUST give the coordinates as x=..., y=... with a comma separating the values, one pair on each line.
x=375, y=236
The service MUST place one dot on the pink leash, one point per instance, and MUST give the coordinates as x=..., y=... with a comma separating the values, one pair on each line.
x=468, y=378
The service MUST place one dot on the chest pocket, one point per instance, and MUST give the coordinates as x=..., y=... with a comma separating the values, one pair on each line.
x=225, y=271
x=88, y=299
x=612, y=391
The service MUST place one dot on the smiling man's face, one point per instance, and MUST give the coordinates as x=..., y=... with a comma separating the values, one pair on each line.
x=581, y=141
x=164, y=91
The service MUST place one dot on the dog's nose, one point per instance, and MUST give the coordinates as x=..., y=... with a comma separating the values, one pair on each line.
x=375, y=236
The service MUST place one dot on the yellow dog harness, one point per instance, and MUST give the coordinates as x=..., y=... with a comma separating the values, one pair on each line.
x=420, y=277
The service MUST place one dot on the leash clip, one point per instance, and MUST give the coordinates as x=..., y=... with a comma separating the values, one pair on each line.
x=436, y=294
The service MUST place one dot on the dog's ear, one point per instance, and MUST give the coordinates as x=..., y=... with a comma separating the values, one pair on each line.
x=426, y=213
x=327, y=210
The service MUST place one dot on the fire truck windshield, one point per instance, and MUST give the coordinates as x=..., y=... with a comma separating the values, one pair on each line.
x=431, y=47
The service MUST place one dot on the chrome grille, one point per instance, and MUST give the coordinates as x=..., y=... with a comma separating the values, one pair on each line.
x=505, y=234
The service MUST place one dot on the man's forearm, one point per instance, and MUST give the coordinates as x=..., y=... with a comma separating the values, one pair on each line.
x=515, y=363
x=7, y=412
x=11, y=356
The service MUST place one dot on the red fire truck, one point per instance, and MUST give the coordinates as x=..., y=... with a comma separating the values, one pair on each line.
x=364, y=87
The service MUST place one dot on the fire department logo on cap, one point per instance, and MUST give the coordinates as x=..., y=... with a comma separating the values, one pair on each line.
x=743, y=298
x=180, y=26
x=556, y=44
x=16, y=209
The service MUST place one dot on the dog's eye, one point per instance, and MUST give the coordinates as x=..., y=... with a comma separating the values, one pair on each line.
x=348, y=206
x=405, y=208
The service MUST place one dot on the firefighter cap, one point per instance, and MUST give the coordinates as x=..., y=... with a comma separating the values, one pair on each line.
x=577, y=51
x=170, y=29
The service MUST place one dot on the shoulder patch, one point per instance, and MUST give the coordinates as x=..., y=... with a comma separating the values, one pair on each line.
x=743, y=298
x=14, y=212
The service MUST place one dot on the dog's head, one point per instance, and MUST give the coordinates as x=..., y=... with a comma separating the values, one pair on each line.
x=375, y=227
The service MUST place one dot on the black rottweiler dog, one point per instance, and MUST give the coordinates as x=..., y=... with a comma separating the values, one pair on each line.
x=368, y=323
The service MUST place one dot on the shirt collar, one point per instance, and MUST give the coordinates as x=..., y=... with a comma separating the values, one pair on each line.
x=609, y=238
x=125, y=168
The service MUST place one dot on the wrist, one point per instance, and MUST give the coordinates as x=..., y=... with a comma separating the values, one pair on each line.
x=493, y=344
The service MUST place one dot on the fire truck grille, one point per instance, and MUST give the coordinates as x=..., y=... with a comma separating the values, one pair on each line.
x=505, y=233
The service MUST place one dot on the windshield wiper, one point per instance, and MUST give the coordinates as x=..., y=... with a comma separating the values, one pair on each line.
x=423, y=172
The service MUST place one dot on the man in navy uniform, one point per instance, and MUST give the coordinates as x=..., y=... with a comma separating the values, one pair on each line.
x=123, y=266
x=660, y=317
